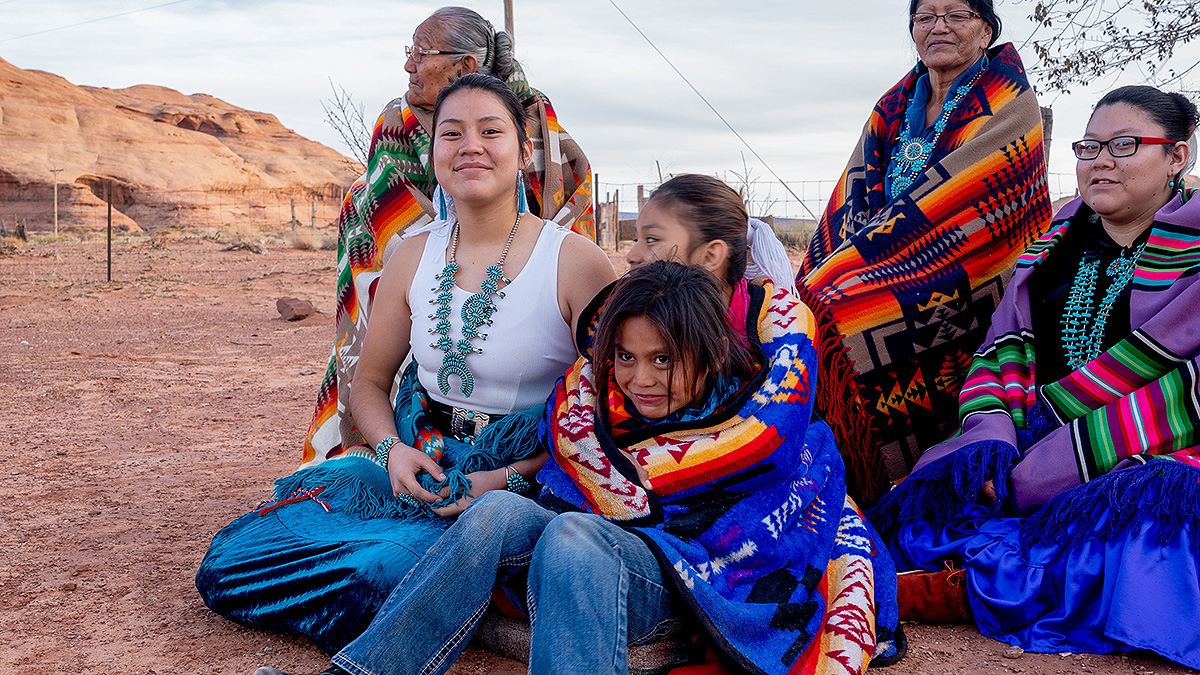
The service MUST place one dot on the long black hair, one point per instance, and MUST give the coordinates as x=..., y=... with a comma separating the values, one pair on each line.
x=686, y=306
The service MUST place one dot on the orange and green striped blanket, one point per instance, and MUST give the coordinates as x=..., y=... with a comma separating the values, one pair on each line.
x=395, y=195
x=902, y=289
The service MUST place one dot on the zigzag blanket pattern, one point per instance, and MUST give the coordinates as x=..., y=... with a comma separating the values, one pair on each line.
x=903, y=289
x=394, y=195
x=747, y=506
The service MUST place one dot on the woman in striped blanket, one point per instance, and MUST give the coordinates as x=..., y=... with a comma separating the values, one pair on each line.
x=1071, y=495
x=945, y=189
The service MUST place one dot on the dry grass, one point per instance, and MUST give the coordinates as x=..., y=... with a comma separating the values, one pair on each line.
x=242, y=233
x=312, y=241
x=795, y=239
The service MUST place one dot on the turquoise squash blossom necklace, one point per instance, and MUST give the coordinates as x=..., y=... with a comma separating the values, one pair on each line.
x=476, y=311
x=913, y=152
x=1083, y=338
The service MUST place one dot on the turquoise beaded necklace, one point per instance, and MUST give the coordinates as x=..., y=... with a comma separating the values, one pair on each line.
x=1083, y=337
x=913, y=152
x=476, y=311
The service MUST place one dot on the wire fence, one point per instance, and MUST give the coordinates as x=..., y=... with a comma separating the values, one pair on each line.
x=771, y=198
x=83, y=205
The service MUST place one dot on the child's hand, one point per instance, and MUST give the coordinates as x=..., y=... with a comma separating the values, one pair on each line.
x=405, y=463
x=989, y=491
x=481, y=482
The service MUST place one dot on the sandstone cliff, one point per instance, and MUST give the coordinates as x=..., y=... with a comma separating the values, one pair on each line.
x=172, y=159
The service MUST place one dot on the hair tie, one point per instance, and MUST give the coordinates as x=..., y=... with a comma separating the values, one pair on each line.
x=487, y=57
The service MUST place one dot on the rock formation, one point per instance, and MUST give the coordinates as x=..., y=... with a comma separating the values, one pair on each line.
x=173, y=160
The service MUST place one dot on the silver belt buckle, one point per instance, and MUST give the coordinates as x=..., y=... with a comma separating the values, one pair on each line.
x=466, y=424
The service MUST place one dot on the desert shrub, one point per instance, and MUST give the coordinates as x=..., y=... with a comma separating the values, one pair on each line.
x=241, y=233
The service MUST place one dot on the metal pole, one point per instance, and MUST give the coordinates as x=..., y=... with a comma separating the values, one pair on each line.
x=293, y=214
x=508, y=22
x=314, y=213
x=110, y=230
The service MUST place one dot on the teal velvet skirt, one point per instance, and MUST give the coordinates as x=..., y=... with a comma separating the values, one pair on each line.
x=322, y=566
x=300, y=569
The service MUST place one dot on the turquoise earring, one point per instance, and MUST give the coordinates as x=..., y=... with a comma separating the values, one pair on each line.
x=522, y=202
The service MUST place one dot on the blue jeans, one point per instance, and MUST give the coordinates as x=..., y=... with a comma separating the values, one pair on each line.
x=593, y=588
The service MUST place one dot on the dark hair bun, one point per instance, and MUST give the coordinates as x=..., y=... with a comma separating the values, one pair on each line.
x=503, y=60
x=1191, y=117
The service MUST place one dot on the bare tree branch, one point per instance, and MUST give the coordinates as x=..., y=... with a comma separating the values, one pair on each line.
x=1078, y=41
x=349, y=120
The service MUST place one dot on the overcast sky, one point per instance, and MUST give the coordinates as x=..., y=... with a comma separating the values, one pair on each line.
x=797, y=79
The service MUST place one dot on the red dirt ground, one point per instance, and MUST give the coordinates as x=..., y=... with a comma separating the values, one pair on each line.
x=144, y=414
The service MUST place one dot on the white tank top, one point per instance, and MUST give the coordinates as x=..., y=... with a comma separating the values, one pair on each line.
x=528, y=346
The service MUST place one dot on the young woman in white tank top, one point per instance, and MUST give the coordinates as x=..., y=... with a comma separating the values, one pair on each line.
x=511, y=360
x=344, y=533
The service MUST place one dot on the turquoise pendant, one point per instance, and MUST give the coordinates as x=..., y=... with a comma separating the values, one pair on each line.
x=476, y=311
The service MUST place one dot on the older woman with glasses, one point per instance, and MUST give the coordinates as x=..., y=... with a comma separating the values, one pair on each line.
x=946, y=187
x=1071, y=495
x=396, y=192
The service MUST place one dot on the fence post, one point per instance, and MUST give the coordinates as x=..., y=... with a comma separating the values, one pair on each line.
x=110, y=230
x=614, y=222
x=1047, y=131
x=641, y=197
x=596, y=207
x=314, y=213
x=55, y=171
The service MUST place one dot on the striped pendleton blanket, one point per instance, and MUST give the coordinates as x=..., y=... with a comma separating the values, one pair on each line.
x=394, y=195
x=1136, y=402
x=903, y=289
x=746, y=508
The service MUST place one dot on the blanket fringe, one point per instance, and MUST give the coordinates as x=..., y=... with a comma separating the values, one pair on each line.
x=1038, y=423
x=1162, y=496
x=842, y=406
x=938, y=491
x=360, y=484
x=508, y=439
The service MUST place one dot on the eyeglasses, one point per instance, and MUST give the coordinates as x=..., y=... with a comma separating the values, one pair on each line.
x=416, y=53
x=956, y=19
x=1118, y=146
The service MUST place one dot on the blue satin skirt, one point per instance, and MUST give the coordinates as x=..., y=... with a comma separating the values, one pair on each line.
x=301, y=569
x=1137, y=586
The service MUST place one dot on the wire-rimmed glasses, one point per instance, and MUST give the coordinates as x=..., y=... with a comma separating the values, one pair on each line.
x=956, y=19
